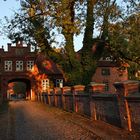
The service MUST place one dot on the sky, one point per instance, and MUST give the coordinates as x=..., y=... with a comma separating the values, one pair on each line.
x=8, y=7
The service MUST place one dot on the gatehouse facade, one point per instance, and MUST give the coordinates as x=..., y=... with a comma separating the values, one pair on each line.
x=20, y=64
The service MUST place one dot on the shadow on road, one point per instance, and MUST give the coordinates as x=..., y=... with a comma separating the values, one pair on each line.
x=4, y=107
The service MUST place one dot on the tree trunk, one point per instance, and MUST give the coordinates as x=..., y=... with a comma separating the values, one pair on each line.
x=87, y=60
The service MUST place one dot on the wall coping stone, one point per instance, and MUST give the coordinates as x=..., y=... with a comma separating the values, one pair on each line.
x=96, y=88
x=127, y=88
x=57, y=91
x=95, y=84
x=126, y=83
x=78, y=87
x=51, y=92
x=66, y=90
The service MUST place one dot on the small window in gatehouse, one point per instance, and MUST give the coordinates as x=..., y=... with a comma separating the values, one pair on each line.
x=8, y=65
x=45, y=85
x=59, y=83
x=30, y=65
x=19, y=65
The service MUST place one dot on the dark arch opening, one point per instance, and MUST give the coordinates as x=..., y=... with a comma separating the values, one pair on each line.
x=27, y=82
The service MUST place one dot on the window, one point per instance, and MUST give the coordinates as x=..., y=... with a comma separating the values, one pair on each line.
x=30, y=64
x=45, y=84
x=19, y=65
x=59, y=83
x=8, y=65
x=106, y=85
x=105, y=71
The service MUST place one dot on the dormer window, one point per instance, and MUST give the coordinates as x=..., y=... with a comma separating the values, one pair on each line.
x=19, y=65
x=8, y=65
x=30, y=65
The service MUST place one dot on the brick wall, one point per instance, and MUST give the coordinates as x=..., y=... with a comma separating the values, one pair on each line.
x=42, y=69
x=114, y=76
x=121, y=109
x=105, y=108
x=129, y=103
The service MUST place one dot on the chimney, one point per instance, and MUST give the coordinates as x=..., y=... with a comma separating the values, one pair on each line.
x=2, y=49
x=17, y=43
x=29, y=47
x=9, y=45
x=21, y=43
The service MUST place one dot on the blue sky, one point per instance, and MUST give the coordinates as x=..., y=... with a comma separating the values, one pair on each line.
x=7, y=9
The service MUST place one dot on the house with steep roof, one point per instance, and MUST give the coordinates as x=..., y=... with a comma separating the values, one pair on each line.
x=109, y=72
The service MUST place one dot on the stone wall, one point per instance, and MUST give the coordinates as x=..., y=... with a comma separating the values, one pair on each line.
x=129, y=104
x=121, y=109
x=114, y=75
x=105, y=108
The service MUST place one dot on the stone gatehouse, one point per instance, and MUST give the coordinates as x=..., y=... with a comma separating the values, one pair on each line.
x=20, y=64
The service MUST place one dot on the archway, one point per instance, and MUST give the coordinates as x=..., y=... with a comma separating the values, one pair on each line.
x=24, y=81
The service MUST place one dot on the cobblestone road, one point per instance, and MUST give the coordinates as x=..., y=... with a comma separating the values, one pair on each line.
x=33, y=121
x=26, y=120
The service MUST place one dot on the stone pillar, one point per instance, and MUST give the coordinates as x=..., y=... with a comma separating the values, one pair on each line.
x=58, y=97
x=94, y=88
x=66, y=91
x=51, y=97
x=124, y=89
x=75, y=90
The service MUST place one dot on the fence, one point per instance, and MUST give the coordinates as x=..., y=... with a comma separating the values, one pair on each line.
x=121, y=109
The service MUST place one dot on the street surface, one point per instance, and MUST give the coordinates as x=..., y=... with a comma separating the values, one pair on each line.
x=28, y=120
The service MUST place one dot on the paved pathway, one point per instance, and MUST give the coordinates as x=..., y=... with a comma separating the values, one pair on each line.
x=34, y=121
x=28, y=120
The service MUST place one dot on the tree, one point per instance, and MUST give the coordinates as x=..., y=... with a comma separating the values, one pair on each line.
x=124, y=36
x=37, y=22
x=40, y=21
x=87, y=61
